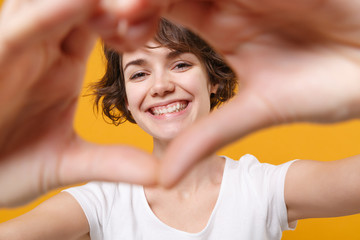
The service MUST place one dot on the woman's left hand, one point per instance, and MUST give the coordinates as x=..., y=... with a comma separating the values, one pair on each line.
x=296, y=61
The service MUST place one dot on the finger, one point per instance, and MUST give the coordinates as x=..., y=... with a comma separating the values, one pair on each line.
x=79, y=42
x=47, y=17
x=127, y=25
x=135, y=9
x=207, y=18
x=243, y=115
x=123, y=8
x=124, y=35
x=91, y=162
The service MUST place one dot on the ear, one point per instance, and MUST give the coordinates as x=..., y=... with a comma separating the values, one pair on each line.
x=214, y=88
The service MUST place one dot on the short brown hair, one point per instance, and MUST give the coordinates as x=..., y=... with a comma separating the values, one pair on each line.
x=110, y=90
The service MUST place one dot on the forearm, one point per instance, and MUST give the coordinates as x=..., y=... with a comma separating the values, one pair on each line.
x=323, y=189
x=59, y=218
x=9, y=232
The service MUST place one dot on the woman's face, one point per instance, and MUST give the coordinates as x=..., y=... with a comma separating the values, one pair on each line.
x=166, y=91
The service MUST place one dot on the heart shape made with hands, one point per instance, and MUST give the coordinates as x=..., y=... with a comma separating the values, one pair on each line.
x=276, y=57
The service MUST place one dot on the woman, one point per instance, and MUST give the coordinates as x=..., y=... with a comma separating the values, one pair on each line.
x=164, y=87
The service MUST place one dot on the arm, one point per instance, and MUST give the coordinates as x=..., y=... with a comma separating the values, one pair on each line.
x=58, y=218
x=323, y=189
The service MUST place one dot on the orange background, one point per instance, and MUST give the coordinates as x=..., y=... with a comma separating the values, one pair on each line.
x=275, y=145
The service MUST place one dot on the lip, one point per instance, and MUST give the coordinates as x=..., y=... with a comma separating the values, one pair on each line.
x=162, y=104
x=168, y=115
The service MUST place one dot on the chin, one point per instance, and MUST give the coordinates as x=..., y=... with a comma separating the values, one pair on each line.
x=168, y=137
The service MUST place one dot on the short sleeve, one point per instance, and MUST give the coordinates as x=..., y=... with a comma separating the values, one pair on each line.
x=277, y=176
x=270, y=180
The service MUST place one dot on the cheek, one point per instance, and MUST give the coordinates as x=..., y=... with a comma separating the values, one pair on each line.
x=136, y=94
x=133, y=97
x=199, y=85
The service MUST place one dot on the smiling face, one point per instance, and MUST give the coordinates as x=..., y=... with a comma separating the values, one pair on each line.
x=166, y=90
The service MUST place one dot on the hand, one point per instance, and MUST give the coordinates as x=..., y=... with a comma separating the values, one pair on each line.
x=44, y=46
x=126, y=25
x=296, y=62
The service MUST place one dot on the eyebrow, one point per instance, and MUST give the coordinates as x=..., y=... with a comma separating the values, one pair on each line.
x=141, y=62
x=137, y=62
x=173, y=54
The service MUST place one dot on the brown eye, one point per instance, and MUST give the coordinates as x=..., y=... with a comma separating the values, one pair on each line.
x=182, y=66
x=138, y=75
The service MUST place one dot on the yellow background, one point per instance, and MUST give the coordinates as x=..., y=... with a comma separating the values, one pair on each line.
x=275, y=145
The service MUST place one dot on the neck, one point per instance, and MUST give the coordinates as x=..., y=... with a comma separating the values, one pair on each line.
x=207, y=172
x=160, y=147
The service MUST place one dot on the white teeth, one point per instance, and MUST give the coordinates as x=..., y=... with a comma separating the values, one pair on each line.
x=169, y=109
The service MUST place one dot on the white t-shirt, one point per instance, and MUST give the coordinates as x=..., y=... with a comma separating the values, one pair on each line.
x=250, y=206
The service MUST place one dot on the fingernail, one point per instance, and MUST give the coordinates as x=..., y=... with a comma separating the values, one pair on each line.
x=139, y=30
x=126, y=5
x=105, y=24
x=107, y=4
x=122, y=27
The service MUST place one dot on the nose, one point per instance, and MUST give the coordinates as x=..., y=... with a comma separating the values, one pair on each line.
x=162, y=85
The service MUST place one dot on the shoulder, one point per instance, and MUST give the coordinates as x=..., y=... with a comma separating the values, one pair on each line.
x=99, y=188
x=260, y=186
x=249, y=163
x=100, y=192
x=250, y=173
x=99, y=200
x=101, y=196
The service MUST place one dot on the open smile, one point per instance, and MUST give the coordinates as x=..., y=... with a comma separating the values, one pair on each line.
x=173, y=107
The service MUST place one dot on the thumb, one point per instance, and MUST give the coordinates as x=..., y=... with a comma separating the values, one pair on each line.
x=246, y=113
x=92, y=162
x=30, y=173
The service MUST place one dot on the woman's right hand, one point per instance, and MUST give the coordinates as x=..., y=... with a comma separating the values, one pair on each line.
x=44, y=46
